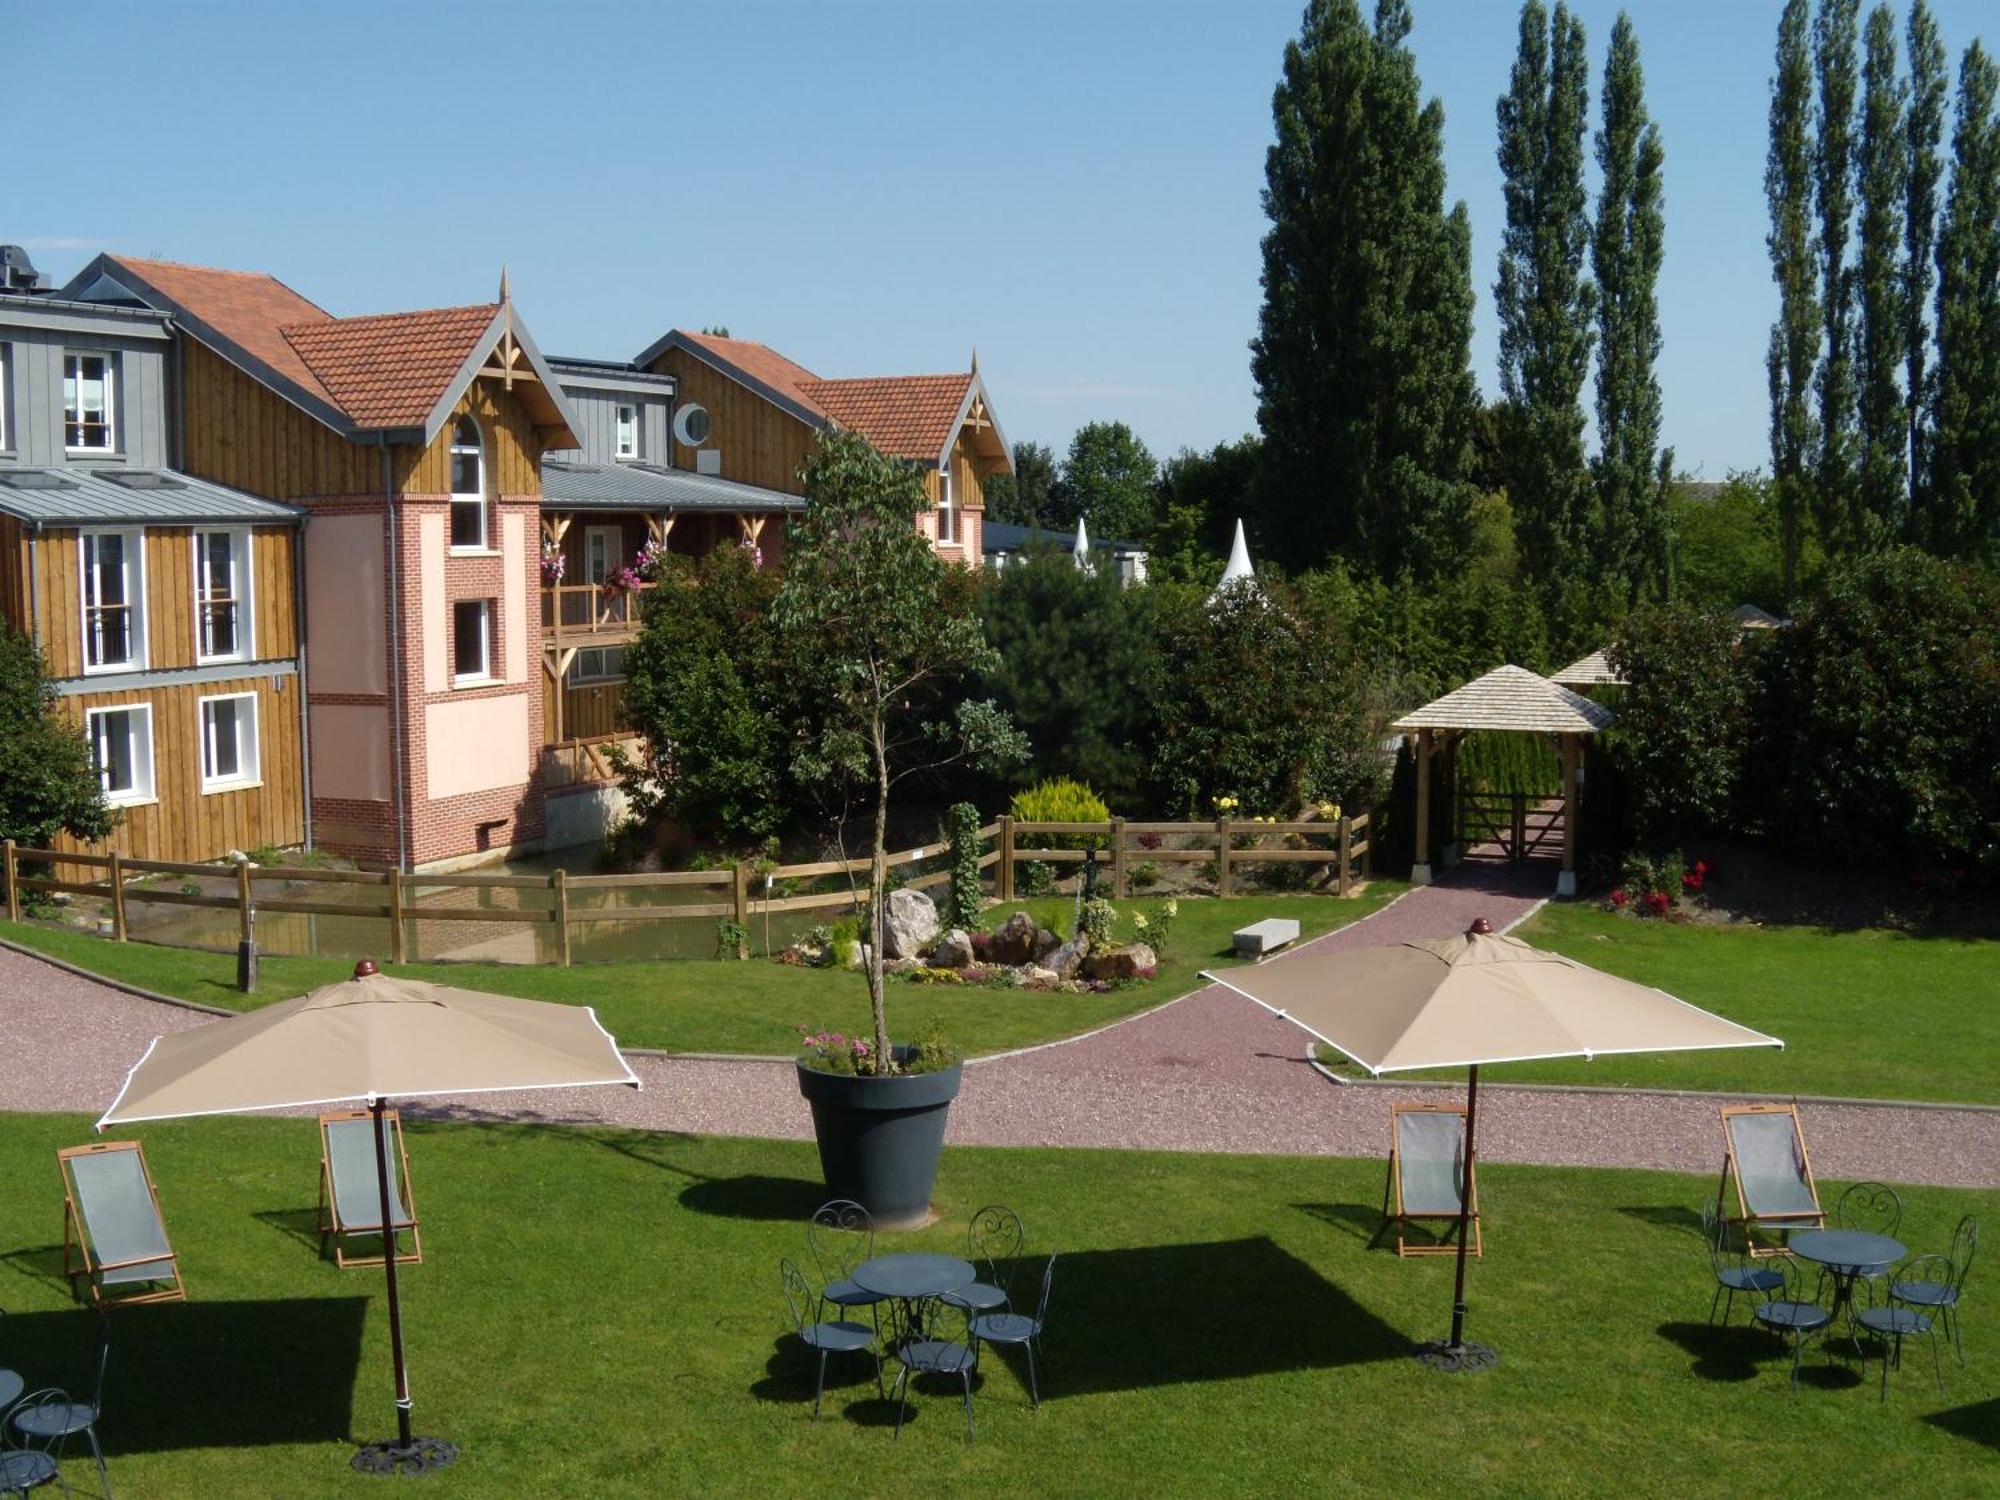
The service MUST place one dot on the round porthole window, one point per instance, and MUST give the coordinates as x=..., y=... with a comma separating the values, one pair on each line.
x=691, y=425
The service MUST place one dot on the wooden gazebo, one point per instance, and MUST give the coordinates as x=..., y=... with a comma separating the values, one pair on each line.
x=1517, y=701
x=1587, y=672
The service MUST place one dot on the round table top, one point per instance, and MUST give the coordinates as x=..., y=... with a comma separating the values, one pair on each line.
x=11, y=1385
x=914, y=1275
x=1846, y=1247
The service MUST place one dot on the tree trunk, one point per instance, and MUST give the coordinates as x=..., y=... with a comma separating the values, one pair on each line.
x=878, y=900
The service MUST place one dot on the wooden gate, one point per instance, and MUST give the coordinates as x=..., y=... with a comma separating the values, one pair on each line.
x=1521, y=823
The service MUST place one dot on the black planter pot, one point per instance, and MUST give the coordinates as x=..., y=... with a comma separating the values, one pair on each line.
x=880, y=1138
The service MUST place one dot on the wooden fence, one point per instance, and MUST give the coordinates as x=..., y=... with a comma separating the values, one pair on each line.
x=739, y=892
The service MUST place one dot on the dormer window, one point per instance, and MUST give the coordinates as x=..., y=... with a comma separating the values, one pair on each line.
x=947, y=525
x=87, y=402
x=468, y=486
x=628, y=431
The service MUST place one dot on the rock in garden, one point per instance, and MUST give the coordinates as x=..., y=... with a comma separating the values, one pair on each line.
x=1013, y=941
x=1036, y=975
x=954, y=950
x=1067, y=959
x=859, y=960
x=1133, y=961
x=912, y=926
x=1046, y=942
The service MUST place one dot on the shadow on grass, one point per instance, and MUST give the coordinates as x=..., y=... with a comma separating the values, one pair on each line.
x=1361, y=1220
x=1978, y=1423
x=301, y=1224
x=43, y=1263
x=207, y=1374
x=1740, y=1351
x=1666, y=1216
x=755, y=1197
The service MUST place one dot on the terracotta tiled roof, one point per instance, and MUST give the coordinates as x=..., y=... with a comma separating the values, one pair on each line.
x=248, y=308
x=905, y=416
x=389, y=370
x=1511, y=698
x=760, y=362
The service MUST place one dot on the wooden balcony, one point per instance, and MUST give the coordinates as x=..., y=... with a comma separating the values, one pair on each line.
x=584, y=614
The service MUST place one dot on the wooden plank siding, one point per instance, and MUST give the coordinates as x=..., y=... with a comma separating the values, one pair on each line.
x=14, y=578
x=513, y=449
x=589, y=709
x=184, y=823
x=760, y=444
x=241, y=433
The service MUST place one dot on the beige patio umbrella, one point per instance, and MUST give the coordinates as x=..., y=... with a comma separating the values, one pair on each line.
x=1471, y=1001
x=372, y=1038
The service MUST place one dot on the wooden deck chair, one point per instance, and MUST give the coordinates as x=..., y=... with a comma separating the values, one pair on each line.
x=350, y=1188
x=114, y=1239
x=1764, y=1153
x=1426, y=1173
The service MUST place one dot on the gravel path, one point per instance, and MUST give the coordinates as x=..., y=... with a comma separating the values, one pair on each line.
x=1210, y=1072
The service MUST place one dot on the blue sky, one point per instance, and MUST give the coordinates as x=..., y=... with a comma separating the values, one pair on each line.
x=871, y=188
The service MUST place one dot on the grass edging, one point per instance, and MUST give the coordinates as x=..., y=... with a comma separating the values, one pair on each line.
x=120, y=985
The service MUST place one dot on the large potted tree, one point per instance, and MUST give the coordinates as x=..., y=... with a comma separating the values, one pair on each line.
x=890, y=634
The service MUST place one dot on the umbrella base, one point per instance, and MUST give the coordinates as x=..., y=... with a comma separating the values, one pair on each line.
x=1465, y=1358
x=418, y=1456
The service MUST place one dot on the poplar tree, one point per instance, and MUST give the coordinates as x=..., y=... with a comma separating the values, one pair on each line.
x=1544, y=300
x=1795, y=337
x=1924, y=130
x=1882, y=168
x=1626, y=250
x=1959, y=513
x=1362, y=357
x=1835, y=29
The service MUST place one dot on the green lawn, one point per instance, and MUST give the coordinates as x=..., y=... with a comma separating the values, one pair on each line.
x=694, y=1005
x=598, y=1314
x=1873, y=1014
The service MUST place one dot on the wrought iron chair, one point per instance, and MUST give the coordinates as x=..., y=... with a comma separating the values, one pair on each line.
x=1790, y=1313
x=27, y=1462
x=1893, y=1322
x=835, y=1337
x=920, y=1351
x=1934, y=1283
x=43, y=1421
x=841, y=1235
x=995, y=1236
x=1019, y=1329
x=1734, y=1270
x=1874, y=1208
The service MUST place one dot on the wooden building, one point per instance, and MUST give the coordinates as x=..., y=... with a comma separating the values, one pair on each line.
x=166, y=606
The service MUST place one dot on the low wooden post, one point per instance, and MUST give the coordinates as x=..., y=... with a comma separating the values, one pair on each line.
x=396, y=936
x=1118, y=858
x=1368, y=846
x=1222, y=856
x=559, y=913
x=740, y=898
x=1005, y=881
x=117, y=896
x=243, y=929
x=1346, y=855
x=11, y=863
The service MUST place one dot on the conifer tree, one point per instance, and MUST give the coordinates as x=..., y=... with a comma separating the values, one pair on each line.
x=1544, y=300
x=1924, y=129
x=1882, y=167
x=1835, y=30
x=1959, y=513
x=1795, y=337
x=1626, y=250
x=1362, y=357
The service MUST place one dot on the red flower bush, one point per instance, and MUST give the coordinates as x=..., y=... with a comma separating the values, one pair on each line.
x=1619, y=898
x=1657, y=902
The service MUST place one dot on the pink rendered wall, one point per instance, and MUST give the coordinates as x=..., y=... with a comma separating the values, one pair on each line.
x=475, y=745
x=345, y=625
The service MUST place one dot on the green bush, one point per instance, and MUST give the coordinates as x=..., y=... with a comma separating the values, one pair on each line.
x=47, y=782
x=1098, y=921
x=1060, y=799
x=1035, y=878
x=1682, y=733
x=963, y=895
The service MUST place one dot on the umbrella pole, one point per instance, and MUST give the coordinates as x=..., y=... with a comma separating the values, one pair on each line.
x=1455, y=1354
x=407, y=1454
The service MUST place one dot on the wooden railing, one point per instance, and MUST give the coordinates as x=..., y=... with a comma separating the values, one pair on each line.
x=590, y=609
x=740, y=891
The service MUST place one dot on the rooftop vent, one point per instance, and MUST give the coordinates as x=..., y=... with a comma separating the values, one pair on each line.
x=18, y=273
x=35, y=479
x=141, y=479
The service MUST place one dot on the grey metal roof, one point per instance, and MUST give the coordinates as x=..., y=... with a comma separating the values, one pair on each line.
x=1000, y=536
x=77, y=495
x=646, y=487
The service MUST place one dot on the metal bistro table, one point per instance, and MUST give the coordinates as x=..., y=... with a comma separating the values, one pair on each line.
x=1847, y=1255
x=914, y=1279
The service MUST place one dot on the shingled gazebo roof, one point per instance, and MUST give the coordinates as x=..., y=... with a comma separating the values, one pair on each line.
x=1594, y=670
x=1511, y=698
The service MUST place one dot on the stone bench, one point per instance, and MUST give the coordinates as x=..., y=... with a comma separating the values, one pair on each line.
x=1267, y=936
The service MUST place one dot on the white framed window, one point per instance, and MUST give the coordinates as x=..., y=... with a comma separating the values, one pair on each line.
x=603, y=552
x=598, y=664
x=6, y=428
x=468, y=486
x=947, y=530
x=222, y=613
x=228, y=742
x=88, y=407
x=628, y=431
x=471, y=642
x=114, y=600
x=121, y=743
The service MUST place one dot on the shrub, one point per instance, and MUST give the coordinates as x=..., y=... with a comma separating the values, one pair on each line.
x=1035, y=878
x=962, y=895
x=1144, y=875
x=1098, y=921
x=1154, y=925
x=932, y=1052
x=1683, y=720
x=732, y=939
x=1650, y=884
x=47, y=782
x=1060, y=800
